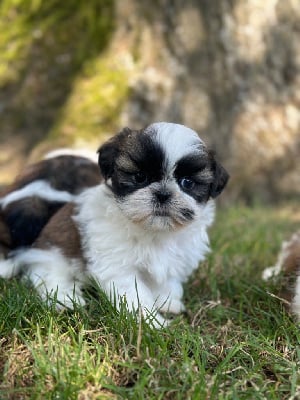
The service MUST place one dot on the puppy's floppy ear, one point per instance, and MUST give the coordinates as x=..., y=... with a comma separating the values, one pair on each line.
x=109, y=151
x=221, y=177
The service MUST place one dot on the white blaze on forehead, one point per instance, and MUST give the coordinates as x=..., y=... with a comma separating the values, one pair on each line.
x=177, y=140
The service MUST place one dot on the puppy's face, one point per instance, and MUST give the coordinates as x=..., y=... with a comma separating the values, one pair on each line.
x=161, y=176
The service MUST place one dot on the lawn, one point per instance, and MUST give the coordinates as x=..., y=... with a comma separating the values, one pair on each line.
x=236, y=340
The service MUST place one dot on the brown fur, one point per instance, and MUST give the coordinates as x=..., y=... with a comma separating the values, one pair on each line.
x=290, y=253
x=291, y=262
x=66, y=172
x=5, y=239
x=62, y=231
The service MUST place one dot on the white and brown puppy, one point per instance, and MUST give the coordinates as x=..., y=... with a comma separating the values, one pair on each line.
x=142, y=232
x=288, y=266
x=38, y=192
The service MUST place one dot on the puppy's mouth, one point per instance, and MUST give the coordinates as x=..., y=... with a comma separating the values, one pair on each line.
x=179, y=217
x=163, y=220
x=161, y=213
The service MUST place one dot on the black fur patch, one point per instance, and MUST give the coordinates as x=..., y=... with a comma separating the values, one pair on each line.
x=221, y=177
x=187, y=214
x=198, y=169
x=27, y=217
x=191, y=165
x=132, y=163
x=109, y=151
x=5, y=239
x=208, y=175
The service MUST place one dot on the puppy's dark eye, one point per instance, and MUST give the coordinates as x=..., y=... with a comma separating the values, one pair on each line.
x=186, y=183
x=140, y=178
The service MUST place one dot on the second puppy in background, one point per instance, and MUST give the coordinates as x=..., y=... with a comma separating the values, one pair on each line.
x=140, y=233
x=38, y=193
x=288, y=267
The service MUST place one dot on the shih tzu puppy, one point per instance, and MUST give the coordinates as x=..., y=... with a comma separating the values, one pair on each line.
x=140, y=233
x=38, y=192
x=288, y=266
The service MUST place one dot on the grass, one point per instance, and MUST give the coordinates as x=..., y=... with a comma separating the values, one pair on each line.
x=236, y=340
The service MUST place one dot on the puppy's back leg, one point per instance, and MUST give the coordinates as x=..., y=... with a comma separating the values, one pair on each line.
x=9, y=268
x=53, y=275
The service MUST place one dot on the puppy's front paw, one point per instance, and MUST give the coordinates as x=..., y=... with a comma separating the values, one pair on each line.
x=7, y=269
x=66, y=301
x=271, y=272
x=156, y=321
x=62, y=299
x=173, y=306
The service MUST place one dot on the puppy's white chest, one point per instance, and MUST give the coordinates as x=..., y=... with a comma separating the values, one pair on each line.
x=113, y=246
x=158, y=260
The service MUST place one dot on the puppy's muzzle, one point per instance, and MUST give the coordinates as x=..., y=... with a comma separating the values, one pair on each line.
x=162, y=195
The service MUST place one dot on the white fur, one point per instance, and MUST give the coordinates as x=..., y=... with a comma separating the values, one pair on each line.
x=51, y=273
x=295, y=306
x=91, y=155
x=271, y=272
x=9, y=268
x=38, y=188
x=275, y=270
x=177, y=140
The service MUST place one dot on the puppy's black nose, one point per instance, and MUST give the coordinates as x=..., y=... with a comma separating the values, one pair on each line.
x=163, y=195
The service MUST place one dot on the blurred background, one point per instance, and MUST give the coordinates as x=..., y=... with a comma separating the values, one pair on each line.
x=74, y=72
